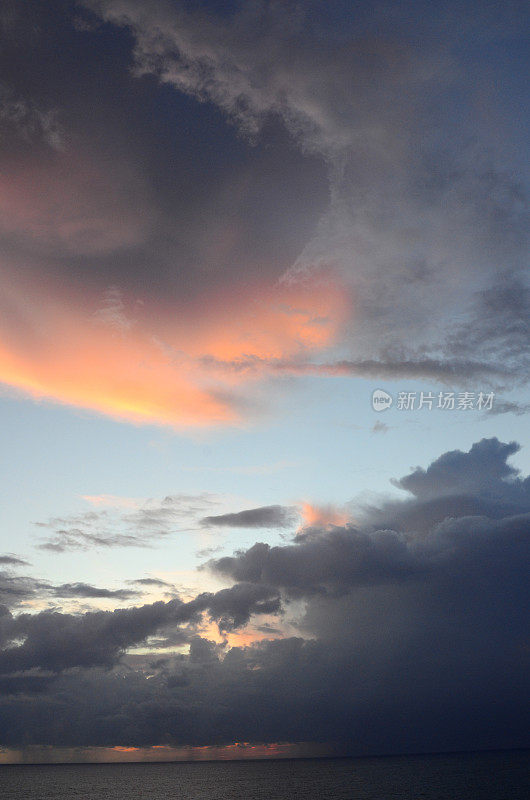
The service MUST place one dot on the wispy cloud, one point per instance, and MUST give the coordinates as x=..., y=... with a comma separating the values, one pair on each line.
x=125, y=522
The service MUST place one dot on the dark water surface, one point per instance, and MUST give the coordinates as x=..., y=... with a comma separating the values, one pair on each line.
x=468, y=776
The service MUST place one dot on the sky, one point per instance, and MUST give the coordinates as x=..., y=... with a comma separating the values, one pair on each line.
x=264, y=373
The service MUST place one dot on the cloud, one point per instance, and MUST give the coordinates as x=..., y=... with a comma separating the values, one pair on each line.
x=380, y=427
x=443, y=370
x=12, y=561
x=336, y=560
x=29, y=121
x=427, y=231
x=151, y=582
x=332, y=561
x=165, y=366
x=51, y=640
x=112, y=313
x=124, y=523
x=375, y=246
x=187, y=265
x=478, y=489
x=484, y=469
x=112, y=500
x=322, y=516
x=409, y=637
x=24, y=590
x=16, y=589
x=91, y=592
x=263, y=517
x=510, y=407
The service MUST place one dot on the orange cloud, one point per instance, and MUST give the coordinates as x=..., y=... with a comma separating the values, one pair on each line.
x=156, y=362
x=112, y=501
x=321, y=516
x=242, y=637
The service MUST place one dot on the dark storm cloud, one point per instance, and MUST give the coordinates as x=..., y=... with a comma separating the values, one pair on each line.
x=478, y=488
x=334, y=561
x=482, y=470
x=56, y=641
x=233, y=607
x=338, y=560
x=411, y=639
x=262, y=517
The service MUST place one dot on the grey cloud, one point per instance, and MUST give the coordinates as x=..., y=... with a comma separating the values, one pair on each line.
x=208, y=551
x=448, y=371
x=149, y=220
x=441, y=369
x=16, y=589
x=380, y=427
x=483, y=469
x=510, y=407
x=56, y=641
x=498, y=327
x=12, y=561
x=92, y=592
x=459, y=484
x=333, y=561
x=262, y=517
x=65, y=539
x=233, y=607
x=231, y=62
x=151, y=582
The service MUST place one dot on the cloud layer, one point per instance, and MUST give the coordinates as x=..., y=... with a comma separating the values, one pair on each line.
x=410, y=636
x=264, y=192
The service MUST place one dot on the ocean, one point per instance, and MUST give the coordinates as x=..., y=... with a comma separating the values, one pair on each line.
x=463, y=776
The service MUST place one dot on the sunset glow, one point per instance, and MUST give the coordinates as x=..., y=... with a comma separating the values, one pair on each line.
x=172, y=366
